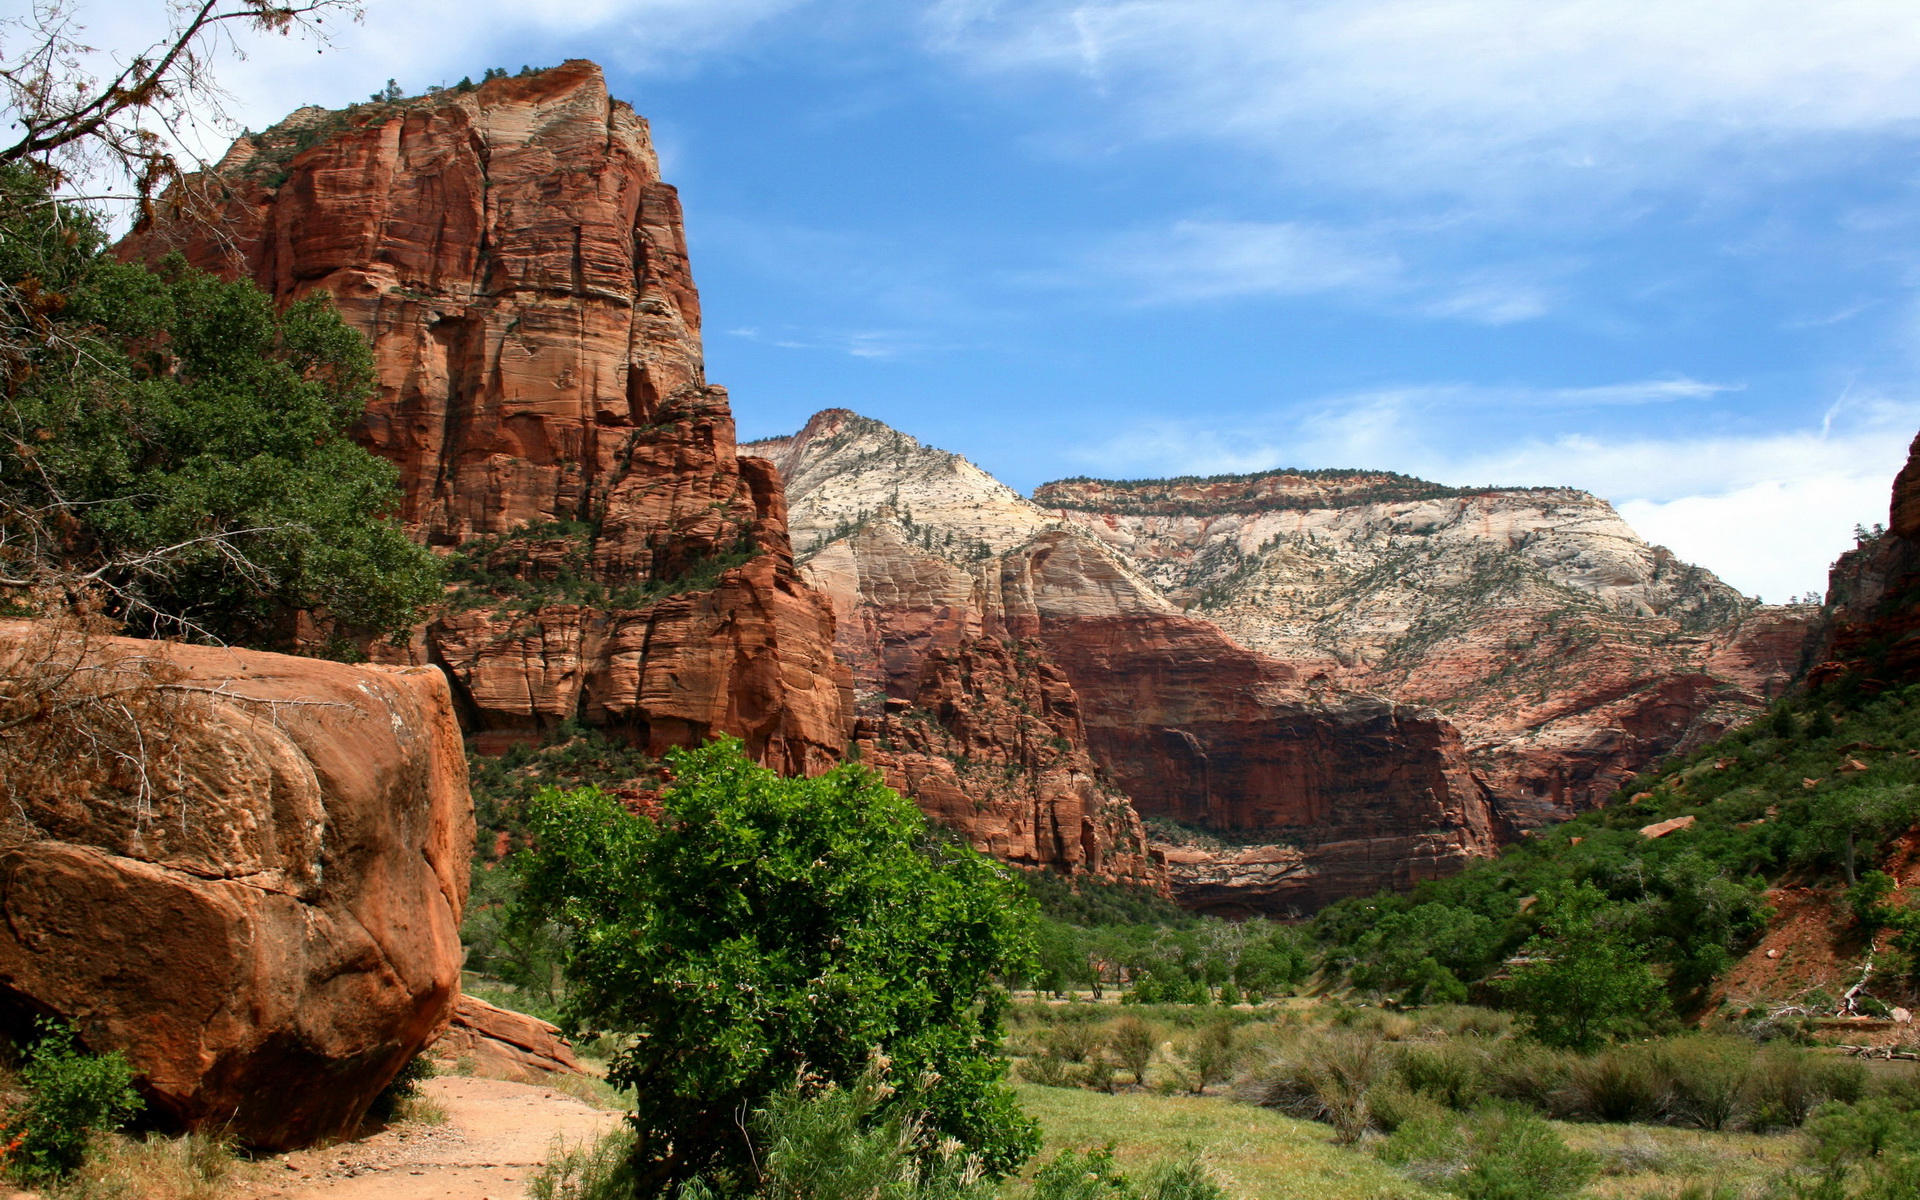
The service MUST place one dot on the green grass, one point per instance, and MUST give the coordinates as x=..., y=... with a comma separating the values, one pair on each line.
x=1265, y=1156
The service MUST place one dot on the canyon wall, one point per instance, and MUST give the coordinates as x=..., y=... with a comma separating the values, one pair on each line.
x=246, y=871
x=1001, y=655
x=1568, y=652
x=1871, y=632
x=519, y=267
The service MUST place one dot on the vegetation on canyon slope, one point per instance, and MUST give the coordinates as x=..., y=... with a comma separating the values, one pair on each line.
x=175, y=449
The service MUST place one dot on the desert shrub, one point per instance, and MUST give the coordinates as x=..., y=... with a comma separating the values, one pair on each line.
x=195, y=1166
x=1080, y=1175
x=1074, y=1041
x=1132, y=1042
x=1852, y=1132
x=1453, y=1020
x=1186, y=1177
x=1620, y=1084
x=1049, y=1071
x=597, y=1170
x=1392, y=1105
x=1501, y=1152
x=1529, y=1073
x=1210, y=1056
x=71, y=1096
x=1706, y=1078
x=1451, y=1072
x=1787, y=1084
x=1326, y=1078
x=1092, y=1175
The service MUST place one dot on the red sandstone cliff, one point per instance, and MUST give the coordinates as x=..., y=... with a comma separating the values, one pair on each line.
x=1872, y=626
x=520, y=270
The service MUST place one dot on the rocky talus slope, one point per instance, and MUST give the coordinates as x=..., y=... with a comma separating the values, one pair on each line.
x=246, y=871
x=519, y=267
x=1569, y=653
x=1026, y=681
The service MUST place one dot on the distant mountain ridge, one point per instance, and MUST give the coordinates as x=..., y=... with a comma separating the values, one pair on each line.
x=1542, y=651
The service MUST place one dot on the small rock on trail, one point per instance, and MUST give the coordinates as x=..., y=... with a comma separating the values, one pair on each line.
x=496, y=1136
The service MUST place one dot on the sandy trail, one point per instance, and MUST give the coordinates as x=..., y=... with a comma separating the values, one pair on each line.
x=497, y=1134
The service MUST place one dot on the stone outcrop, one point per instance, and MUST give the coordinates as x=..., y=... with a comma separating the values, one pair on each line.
x=498, y=1043
x=1569, y=653
x=975, y=623
x=520, y=269
x=1872, y=626
x=246, y=871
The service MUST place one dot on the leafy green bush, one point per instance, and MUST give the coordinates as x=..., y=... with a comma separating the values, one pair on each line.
x=71, y=1095
x=1092, y=1175
x=763, y=925
x=1583, y=982
x=1500, y=1153
x=393, y=1099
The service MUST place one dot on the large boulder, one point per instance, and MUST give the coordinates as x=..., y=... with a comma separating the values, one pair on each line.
x=245, y=871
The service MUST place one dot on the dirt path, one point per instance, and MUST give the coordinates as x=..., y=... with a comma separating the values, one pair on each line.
x=497, y=1134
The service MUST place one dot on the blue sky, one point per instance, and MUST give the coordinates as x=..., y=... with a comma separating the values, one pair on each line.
x=1666, y=252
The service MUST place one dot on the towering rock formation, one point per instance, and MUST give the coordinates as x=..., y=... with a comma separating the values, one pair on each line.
x=1569, y=653
x=520, y=270
x=1006, y=662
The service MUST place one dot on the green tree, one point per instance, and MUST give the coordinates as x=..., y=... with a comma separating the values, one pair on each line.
x=1584, y=982
x=174, y=449
x=763, y=926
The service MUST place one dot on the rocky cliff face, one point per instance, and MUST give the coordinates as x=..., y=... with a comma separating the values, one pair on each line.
x=519, y=267
x=1569, y=653
x=1871, y=629
x=246, y=871
x=1000, y=652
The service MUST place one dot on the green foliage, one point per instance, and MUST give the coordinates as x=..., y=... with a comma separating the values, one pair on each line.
x=765, y=925
x=405, y=1086
x=598, y=1170
x=1092, y=1175
x=1784, y=794
x=1584, y=982
x=190, y=442
x=1502, y=1153
x=71, y=1095
x=818, y=1141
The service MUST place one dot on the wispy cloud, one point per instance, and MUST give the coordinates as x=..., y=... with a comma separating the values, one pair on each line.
x=1197, y=261
x=1463, y=95
x=863, y=343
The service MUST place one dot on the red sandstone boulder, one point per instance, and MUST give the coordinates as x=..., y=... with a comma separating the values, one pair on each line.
x=503, y=1044
x=253, y=887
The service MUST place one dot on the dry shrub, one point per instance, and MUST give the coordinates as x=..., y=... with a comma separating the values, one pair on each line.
x=1622, y=1083
x=1327, y=1078
x=1132, y=1042
x=1787, y=1083
x=1456, y=1020
x=1529, y=1073
x=1210, y=1056
x=198, y=1166
x=1707, y=1079
x=87, y=729
x=1452, y=1072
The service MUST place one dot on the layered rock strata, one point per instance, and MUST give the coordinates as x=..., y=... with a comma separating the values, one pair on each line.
x=245, y=871
x=974, y=621
x=1569, y=652
x=520, y=269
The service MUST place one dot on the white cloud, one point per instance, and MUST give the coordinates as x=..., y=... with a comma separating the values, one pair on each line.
x=1767, y=511
x=1466, y=95
x=1204, y=260
x=422, y=42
